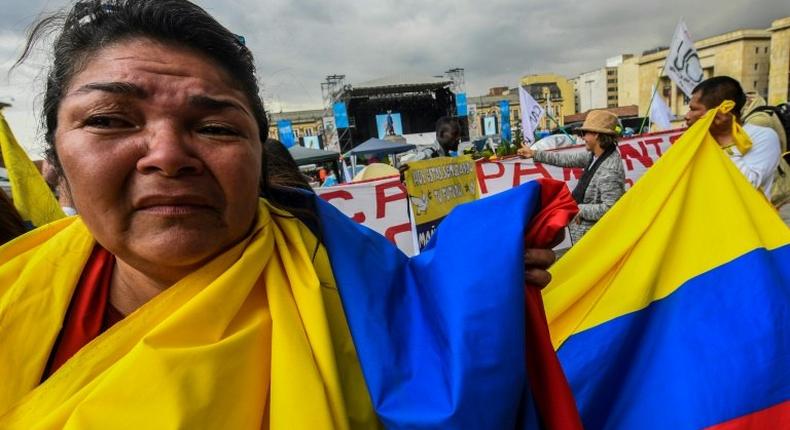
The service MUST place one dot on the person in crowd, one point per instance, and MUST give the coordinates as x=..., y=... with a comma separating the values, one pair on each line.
x=11, y=224
x=177, y=298
x=281, y=168
x=758, y=163
x=603, y=180
x=448, y=137
x=330, y=180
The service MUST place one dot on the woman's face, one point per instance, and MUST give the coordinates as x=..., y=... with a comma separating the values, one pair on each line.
x=161, y=155
x=590, y=140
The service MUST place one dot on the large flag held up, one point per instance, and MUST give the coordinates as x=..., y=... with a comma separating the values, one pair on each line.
x=32, y=197
x=673, y=311
x=531, y=113
x=682, y=64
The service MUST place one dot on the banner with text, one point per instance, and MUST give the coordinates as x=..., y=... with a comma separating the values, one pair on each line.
x=638, y=154
x=435, y=187
x=381, y=205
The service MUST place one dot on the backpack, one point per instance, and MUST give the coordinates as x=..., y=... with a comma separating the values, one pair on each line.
x=780, y=111
x=780, y=194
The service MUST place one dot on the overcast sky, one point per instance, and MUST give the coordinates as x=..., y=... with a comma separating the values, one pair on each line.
x=298, y=42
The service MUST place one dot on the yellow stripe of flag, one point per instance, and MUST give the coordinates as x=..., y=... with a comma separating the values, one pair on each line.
x=32, y=197
x=639, y=252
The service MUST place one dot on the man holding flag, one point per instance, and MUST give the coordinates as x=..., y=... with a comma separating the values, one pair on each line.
x=757, y=153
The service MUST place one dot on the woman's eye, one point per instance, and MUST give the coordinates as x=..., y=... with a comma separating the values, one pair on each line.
x=103, y=121
x=219, y=130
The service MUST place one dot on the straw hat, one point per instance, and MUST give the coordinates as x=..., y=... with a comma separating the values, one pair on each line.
x=600, y=121
x=375, y=171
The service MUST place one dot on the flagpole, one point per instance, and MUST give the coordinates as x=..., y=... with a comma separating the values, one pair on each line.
x=560, y=127
x=655, y=90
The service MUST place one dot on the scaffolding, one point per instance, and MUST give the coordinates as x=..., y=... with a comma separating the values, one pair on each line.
x=332, y=90
x=456, y=75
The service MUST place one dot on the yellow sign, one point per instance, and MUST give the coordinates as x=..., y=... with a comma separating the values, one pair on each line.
x=437, y=185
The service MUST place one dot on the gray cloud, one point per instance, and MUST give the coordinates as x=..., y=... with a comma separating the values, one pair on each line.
x=298, y=42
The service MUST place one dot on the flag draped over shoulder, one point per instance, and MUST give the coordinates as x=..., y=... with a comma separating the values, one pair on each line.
x=441, y=336
x=673, y=312
x=256, y=338
x=32, y=197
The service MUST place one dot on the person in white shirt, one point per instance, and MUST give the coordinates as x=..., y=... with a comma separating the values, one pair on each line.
x=758, y=165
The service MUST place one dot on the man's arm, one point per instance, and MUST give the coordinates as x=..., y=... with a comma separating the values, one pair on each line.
x=761, y=161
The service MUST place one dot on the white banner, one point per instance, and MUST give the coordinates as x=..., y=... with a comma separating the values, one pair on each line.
x=531, y=113
x=381, y=205
x=682, y=64
x=638, y=155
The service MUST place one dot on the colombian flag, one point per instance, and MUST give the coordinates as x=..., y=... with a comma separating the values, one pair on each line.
x=674, y=311
x=443, y=338
x=32, y=197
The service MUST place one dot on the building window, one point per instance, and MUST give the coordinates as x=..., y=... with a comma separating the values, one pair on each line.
x=766, y=50
x=755, y=85
x=757, y=50
x=755, y=66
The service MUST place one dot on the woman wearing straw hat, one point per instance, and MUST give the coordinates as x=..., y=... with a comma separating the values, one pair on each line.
x=603, y=180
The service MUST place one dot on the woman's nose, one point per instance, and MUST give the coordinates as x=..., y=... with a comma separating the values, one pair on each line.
x=169, y=152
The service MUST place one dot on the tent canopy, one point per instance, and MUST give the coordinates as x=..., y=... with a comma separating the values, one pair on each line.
x=304, y=155
x=380, y=146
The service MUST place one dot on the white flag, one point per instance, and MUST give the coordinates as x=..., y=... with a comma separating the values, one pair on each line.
x=660, y=114
x=683, y=65
x=347, y=176
x=531, y=113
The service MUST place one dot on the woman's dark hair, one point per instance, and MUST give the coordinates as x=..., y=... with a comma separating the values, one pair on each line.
x=11, y=224
x=95, y=24
x=607, y=141
x=281, y=168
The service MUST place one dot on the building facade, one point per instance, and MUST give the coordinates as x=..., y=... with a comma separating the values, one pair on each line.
x=303, y=123
x=779, y=73
x=555, y=93
x=488, y=106
x=598, y=89
x=744, y=55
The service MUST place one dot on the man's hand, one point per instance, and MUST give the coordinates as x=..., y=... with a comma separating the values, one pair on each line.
x=525, y=151
x=536, y=261
x=721, y=129
x=402, y=170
